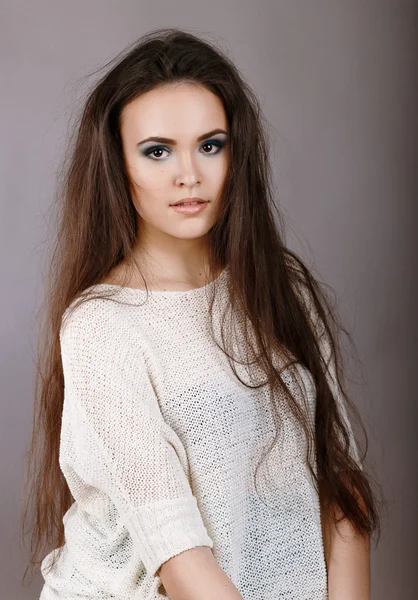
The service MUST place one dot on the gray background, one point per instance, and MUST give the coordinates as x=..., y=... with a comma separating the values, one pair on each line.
x=337, y=82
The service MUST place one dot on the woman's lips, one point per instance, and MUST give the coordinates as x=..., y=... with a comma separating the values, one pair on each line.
x=191, y=209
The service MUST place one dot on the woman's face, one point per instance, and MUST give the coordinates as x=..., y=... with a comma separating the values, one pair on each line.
x=193, y=163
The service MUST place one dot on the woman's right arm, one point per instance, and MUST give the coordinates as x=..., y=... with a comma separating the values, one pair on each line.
x=196, y=575
x=121, y=445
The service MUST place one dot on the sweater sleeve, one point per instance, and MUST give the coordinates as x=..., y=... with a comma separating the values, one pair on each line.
x=121, y=444
x=331, y=371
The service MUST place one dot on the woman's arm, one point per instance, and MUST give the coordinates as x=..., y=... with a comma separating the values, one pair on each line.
x=195, y=575
x=348, y=561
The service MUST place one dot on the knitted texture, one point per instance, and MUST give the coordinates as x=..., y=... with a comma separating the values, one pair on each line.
x=159, y=445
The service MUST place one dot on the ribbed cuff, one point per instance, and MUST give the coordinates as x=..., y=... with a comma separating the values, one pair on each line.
x=165, y=528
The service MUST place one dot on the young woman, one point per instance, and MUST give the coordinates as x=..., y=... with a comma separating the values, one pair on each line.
x=196, y=442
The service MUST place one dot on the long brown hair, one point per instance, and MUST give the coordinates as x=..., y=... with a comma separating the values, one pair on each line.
x=285, y=305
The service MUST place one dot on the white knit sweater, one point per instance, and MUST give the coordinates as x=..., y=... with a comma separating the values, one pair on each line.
x=159, y=442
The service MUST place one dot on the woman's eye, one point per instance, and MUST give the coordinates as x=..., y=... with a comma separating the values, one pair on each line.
x=213, y=144
x=156, y=149
x=152, y=150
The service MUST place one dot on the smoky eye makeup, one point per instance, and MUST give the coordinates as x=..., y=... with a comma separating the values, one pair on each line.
x=219, y=143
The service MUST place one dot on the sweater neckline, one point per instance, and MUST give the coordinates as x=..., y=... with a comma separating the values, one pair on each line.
x=138, y=292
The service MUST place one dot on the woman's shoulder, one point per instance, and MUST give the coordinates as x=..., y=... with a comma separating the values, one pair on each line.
x=93, y=312
x=98, y=333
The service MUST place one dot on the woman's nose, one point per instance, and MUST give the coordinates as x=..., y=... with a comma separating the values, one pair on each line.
x=188, y=173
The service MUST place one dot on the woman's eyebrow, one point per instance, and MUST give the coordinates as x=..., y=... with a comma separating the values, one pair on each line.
x=164, y=140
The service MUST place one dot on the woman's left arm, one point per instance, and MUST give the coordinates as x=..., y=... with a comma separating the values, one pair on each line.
x=348, y=561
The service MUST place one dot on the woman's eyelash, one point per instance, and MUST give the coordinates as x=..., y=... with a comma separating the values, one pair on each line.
x=218, y=143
